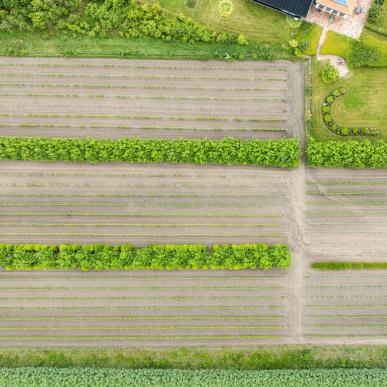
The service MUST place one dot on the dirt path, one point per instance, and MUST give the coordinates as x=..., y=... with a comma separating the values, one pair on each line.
x=336, y=61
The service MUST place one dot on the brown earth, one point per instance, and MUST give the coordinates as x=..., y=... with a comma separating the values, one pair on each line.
x=166, y=99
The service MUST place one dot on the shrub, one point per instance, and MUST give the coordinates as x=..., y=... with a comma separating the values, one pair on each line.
x=362, y=54
x=226, y=8
x=329, y=73
x=293, y=43
x=155, y=257
x=326, y=108
x=327, y=118
x=231, y=151
x=375, y=12
x=330, y=99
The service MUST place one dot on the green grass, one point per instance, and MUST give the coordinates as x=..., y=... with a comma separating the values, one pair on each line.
x=340, y=45
x=278, y=357
x=51, y=45
x=365, y=103
x=349, y=265
x=256, y=22
x=252, y=20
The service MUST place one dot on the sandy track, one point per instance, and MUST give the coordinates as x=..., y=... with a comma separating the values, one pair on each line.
x=246, y=98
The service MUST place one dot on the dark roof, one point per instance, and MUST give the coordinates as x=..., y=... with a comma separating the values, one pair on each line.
x=292, y=7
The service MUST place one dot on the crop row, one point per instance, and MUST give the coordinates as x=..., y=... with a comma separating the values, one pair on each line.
x=137, y=117
x=280, y=153
x=142, y=77
x=132, y=127
x=137, y=97
x=145, y=87
x=329, y=265
x=212, y=67
x=88, y=257
x=40, y=376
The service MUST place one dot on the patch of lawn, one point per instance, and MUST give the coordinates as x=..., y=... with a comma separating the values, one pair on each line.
x=340, y=45
x=364, y=105
x=252, y=20
x=55, y=45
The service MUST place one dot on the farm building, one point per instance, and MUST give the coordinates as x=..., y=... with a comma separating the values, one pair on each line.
x=300, y=8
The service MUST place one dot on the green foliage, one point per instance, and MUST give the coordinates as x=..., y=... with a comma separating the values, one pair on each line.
x=375, y=12
x=349, y=265
x=154, y=257
x=74, y=377
x=225, y=8
x=280, y=153
x=94, y=18
x=329, y=73
x=362, y=54
x=330, y=123
x=347, y=154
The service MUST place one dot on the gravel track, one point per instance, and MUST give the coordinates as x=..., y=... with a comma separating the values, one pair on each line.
x=252, y=99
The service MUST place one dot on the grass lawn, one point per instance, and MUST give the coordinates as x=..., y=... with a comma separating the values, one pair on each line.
x=337, y=44
x=256, y=22
x=365, y=103
x=35, y=44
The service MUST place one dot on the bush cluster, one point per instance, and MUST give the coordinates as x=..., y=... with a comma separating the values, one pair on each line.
x=330, y=123
x=329, y=73
x=155, y=257
x=362, y=54
x=283, y=153
x=347, y=154
x=104, y=18
x=376, y=11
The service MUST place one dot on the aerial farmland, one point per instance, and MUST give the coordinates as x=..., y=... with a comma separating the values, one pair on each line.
x=322, y=215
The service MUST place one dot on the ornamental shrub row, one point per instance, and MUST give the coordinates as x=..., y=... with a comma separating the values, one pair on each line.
x=155, y=257
x=283, y=153
x=347, y=154
x=330, y=123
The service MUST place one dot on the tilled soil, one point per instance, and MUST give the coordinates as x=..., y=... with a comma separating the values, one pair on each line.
x=130, y=98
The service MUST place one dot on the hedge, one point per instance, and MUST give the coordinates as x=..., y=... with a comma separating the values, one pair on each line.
x=156, y=257
x=231, y=151
x=347, y=154
x=349, y=265
x=44, y=377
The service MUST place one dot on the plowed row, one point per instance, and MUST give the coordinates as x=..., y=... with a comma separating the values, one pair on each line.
x=163, y=99
x=143, y=204
x=143, y=308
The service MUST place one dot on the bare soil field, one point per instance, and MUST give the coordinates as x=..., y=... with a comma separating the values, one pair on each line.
x=345, y=220
x=148, y=98
x=143, y=308
x=142, y=204
x=321, y=214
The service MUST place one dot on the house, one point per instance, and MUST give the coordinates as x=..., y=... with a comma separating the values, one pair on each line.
x=343, y=8
x=296, y=8
x=300, y=8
